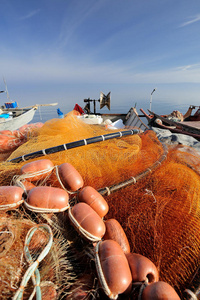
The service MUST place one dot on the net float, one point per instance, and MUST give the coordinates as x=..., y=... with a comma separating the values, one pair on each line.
x=37, y=170
x=70, y=177
x=158, y=291
x=94, y=199
x=87, y=222
x=28, y=185
x=142, y=268
x=8, y=143
x=47, y=199
x=10, y=197
x=7, y=132
x=114, y=231
x=112, y=268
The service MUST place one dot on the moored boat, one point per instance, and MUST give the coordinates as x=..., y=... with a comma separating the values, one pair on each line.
x=111, y=120
x=12, y=117
x=176, y=122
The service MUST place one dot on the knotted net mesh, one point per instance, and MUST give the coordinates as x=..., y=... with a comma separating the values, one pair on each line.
x=160, y=213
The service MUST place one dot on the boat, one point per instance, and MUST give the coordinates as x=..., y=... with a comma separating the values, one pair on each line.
x=110, y=120
x=189, y=124
x=12, y=117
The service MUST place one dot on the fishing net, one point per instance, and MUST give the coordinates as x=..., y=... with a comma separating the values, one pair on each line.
x=153, y=194
x=55, y=269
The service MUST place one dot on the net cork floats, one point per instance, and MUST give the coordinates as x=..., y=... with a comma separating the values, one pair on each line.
x=27, y=185
x=37, y=170
x=94, y=199
x=87, y=222
x=142, y=268
x=70, y=178
x=10, y=197
x=159, y=291
x=114, y=231
x=112, y=268
x=47, y=198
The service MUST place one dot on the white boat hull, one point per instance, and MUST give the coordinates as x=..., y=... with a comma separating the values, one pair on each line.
x=13, y=123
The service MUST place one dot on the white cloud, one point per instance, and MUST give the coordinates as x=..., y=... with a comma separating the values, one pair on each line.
x=189, y=67
x=30, y=15
x=55, y=68
x=194, y=19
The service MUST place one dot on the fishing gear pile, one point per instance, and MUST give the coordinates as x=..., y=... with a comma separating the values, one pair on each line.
x=122, y=208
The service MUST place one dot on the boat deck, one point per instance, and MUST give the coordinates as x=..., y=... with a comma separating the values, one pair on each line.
x=195, y=124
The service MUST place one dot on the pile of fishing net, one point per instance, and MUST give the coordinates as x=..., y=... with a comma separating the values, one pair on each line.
x=153, y=192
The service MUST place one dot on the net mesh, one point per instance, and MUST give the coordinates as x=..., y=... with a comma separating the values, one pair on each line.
x=160, y=214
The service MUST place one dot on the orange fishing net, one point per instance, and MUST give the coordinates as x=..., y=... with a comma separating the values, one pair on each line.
x=160, y=213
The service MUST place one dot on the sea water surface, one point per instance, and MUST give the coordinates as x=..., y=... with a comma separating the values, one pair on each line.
x=45, y=113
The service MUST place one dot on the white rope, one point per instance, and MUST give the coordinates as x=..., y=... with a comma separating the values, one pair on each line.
x=194, y=297
x=134, y=179
x=17, y=178
x=11, y=205
x=108, y=190
x=45, y=210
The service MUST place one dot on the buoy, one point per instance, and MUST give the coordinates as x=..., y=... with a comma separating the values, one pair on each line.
x=87, y=222
x=28, y=185
x=46, y=197
x=112, y=268
x=70, y=177
x=142, y=268
x=94, y=199
x=159, y=291
x=114, y=231
x=10, y=197
x=37, y=170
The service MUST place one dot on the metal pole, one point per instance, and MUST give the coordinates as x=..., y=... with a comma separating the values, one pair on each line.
x=151, y=98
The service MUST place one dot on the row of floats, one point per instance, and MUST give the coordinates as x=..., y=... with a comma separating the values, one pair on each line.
x=117, y=268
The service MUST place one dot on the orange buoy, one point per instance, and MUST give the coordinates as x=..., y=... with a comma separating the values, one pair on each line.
x=7, y=132
x=142, y=268
x=115, y=232
x=28, y=185
x=70, y=177
x=94, y=199
x=10, y=197
x=159, y=291
x=87, y=221
x=112, y=268
x=48, y=198
x=42, y=168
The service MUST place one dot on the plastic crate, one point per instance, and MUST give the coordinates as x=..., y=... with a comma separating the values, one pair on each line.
x=11, y=104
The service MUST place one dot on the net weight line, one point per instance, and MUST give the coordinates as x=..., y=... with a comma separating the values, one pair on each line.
x=75, y=144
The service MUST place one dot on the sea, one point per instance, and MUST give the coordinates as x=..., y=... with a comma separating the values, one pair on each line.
x=45, y=113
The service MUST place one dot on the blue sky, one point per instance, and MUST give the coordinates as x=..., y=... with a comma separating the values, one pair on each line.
x=67, y=50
